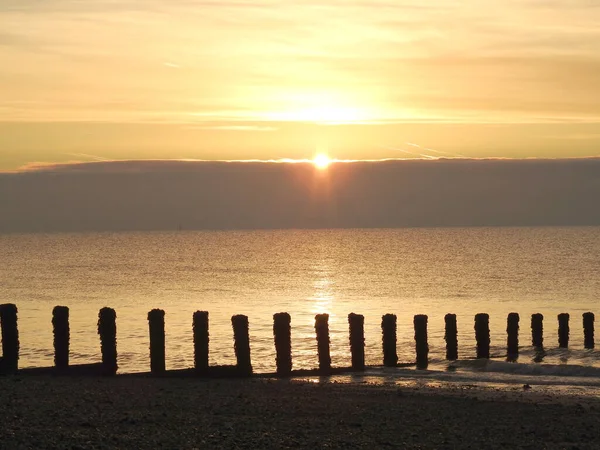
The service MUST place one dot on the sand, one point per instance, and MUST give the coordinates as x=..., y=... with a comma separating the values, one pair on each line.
x=142, y=412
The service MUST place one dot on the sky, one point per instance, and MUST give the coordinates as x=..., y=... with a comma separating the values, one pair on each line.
x=96, y=80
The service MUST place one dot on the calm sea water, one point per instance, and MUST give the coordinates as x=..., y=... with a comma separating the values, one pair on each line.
x=259, y=273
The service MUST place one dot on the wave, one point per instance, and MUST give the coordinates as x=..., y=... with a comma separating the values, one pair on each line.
x=560, y=370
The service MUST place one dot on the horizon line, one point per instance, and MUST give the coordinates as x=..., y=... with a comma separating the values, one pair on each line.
x=41, y=166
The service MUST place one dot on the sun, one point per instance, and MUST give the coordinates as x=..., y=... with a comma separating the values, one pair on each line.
x=321, y=161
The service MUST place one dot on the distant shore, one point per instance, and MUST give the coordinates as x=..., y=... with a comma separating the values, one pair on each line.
x=143, y=412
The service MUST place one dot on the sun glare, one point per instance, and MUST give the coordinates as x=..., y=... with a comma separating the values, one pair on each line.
x=321, y=161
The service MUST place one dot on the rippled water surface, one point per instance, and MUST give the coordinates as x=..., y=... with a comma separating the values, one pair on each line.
x=258, y=273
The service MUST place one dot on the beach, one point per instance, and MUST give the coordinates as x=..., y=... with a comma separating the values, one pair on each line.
x=133, y=411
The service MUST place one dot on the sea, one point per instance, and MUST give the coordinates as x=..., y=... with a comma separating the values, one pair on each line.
x=432, y=271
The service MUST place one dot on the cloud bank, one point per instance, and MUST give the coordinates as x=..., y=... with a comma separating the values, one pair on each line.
x=164, y=195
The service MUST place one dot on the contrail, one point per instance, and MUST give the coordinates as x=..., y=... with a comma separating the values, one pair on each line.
x=85, y=155
x=410, y=153
x=454, y=155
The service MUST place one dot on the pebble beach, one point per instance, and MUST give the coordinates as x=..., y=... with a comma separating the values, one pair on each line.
x=188, y=413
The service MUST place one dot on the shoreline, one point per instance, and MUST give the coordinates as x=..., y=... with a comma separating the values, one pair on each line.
x=148, y=412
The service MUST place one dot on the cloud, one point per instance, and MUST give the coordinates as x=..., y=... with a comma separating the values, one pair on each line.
x=232, y=128
x=451, y=60
x=161, y=195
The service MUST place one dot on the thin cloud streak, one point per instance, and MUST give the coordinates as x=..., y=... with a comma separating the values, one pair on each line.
x=164, y=164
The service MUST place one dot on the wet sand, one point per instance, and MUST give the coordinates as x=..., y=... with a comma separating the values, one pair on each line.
x=141, y=412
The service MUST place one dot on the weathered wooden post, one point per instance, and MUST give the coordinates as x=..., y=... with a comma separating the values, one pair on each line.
x=588, y=329
x=563, y=330
x=156, y=322
x=451, y=337
x=356, y=323
x=201, y=339
x=512, y=330
x=107, y=329
x=482, y=335
x=388, y=330
x=422, y=347
x=537, y=330
x=322, y=330
x=282, y=333
x=9, y=363
x=60, y=324
x=241, y=336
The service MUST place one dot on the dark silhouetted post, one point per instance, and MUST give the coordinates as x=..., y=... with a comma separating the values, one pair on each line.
x=482, y=335
x=537, y=330
x=356, y=323
x=451, y=337
x=241, y=336
x=420, y=323
x=10, y=338
x=60, y=324
x=156, y=322
x=588, y=330
x=388, y=329
x=563, y=330
x=282, y=332
x=200, y=326
x=512, y=329
x=107, y=329
x=322, y=330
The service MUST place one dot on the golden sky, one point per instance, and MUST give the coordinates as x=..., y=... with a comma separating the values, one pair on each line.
x=84, y=80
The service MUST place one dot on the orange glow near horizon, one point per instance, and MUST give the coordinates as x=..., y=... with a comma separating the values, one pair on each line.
x=176, y=79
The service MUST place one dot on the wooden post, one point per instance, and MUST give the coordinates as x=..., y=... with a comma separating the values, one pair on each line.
x=241, y=336
x=282, y=333
x=512, y=330
x=322, y=330
x=107, y=329
x=60, y=324
x=9, y=363
x=201, y=339
x=451, y=337
x=537, y=330
x=388, y=330
x=588, y=329
x=356, y=323
x=156, y=322
x=482, y=335
x=563, y=330
x=422, y=347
